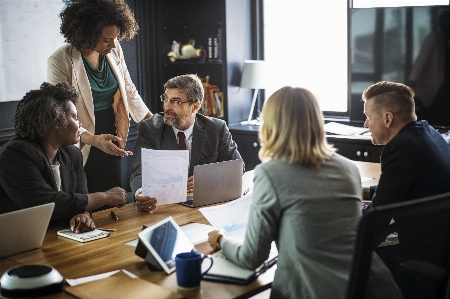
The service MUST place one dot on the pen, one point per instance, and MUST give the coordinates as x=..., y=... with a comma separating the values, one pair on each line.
x=266, y=265
x=107, y=229
x=114, y=216
x=246, y=191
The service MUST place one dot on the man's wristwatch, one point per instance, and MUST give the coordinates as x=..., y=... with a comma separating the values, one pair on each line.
x=137, y=192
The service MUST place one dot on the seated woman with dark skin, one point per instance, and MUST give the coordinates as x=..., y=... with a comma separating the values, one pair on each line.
x=42, y=164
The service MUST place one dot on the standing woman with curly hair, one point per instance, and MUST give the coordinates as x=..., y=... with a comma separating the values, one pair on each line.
x=41, y=164
x=92, y=62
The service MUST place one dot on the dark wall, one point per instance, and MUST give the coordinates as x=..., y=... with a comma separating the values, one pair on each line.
x=7, y=110
x=357, y=109
x=131, y=53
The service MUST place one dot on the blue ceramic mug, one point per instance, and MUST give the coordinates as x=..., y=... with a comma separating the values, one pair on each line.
x=189, y=269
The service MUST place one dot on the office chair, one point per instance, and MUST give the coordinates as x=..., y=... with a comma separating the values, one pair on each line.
x=372, y=227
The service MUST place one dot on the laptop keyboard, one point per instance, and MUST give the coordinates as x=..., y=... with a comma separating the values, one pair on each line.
x=189, y=202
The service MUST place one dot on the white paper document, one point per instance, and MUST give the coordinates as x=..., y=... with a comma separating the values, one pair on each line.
x=165, y=174
x=231, y=217
x=365, y=179
x=77, y=281
x=197, y=232
x=341, y=129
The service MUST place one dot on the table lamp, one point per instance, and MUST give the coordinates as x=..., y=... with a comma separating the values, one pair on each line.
x=253, y=76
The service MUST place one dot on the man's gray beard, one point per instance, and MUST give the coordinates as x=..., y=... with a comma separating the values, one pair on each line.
x=177, y=122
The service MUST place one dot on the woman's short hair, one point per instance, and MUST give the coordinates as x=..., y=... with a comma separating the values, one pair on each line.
x=43, y=109
x=83, y=21
x=292, y=128
x=396, y=98
x=189, y=83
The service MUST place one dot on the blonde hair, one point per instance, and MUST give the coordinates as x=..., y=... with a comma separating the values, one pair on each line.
x=292, y=128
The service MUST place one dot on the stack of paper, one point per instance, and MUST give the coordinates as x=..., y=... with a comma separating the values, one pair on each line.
x=341, y=129
x=197, y=232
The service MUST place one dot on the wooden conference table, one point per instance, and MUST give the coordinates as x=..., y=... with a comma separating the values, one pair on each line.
x=74, y=260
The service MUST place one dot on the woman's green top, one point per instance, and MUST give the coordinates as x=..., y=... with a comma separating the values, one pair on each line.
x=103, y=83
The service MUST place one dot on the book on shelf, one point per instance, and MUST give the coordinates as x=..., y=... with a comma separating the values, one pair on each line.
x=213, y=109
x=218, y=95
x=213, y=99
x=210, y=48
x=215, y=48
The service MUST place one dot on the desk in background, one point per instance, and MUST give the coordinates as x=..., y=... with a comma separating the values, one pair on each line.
x=357, y=148
x=74, y=260
x=369, y=170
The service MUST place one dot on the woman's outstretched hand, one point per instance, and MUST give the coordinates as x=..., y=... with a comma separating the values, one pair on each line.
x=104, y=143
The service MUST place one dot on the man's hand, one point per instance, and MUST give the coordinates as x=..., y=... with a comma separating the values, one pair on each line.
x=82, y=223
x=190, y=184
x=146, y=203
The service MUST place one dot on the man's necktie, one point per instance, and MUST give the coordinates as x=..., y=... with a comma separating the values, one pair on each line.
x=181, y=141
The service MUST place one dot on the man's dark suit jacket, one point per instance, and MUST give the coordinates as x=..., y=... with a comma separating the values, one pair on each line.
x=415, y=164
x=211, y=142
x=26, y=179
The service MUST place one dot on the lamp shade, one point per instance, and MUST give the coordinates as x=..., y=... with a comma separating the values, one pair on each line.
x=254, y=74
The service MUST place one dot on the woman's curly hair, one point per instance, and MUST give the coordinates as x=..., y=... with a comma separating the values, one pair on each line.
x=84, y=20
x=43, y=109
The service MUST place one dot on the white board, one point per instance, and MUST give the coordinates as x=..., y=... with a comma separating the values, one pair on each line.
x=29, y=32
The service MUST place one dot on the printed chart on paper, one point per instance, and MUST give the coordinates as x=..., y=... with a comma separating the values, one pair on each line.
x=165, y=174
x=231, y=217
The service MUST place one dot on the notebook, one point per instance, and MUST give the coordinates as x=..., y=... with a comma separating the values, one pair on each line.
x=216, y=182
x=225, y=270
x=24, y=229
x=83, y=237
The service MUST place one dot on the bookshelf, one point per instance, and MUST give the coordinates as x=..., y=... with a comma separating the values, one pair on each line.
x=223, y=29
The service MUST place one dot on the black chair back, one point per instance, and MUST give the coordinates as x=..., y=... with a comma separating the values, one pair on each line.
x=374, y=221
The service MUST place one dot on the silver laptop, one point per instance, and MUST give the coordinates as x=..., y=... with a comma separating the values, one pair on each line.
x=25, y=229
x=216, y=182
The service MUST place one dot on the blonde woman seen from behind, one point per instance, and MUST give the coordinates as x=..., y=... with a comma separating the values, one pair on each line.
x=306, y=198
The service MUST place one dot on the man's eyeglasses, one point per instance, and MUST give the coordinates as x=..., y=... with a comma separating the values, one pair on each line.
x=174, y=102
